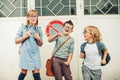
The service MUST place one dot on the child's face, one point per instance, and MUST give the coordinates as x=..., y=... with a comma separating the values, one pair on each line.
x=32, y=18
x=87, y=35
x=67, y=29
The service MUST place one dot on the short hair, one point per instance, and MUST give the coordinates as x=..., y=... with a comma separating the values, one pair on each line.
x=69, y=22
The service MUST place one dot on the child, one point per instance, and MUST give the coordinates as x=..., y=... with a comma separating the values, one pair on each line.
x=91, y=68
x=64, y=55
x=30, y=37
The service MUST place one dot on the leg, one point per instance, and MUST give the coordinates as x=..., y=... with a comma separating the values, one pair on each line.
x=57, y=69
x=22, y=74
x=36, y=74
x=66, y=72
x=97, y=74
x=86, y=73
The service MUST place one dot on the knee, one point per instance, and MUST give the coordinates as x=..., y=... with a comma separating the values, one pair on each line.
x=23, y=71
x=68, y=78
x=35, y=71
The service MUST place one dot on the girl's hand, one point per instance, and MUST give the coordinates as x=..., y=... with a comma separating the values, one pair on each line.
x=39, y=40
x=103, y=62
x=36, y=36
x=27, y=34
x=82, y=55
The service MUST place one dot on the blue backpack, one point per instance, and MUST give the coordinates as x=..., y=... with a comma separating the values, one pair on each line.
x=100, y=49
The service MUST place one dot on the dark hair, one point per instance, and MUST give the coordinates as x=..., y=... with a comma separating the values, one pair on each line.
x=69, y=22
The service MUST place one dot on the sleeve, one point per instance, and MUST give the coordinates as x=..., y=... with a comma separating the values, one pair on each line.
x=71, y=50
x=19, y=32
x=82, y=48
x=103, y=47
x=40, y=32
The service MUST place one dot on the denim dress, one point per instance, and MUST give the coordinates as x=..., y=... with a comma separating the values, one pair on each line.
x=29, y=50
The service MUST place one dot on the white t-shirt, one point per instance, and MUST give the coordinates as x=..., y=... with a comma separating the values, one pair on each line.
x=92, y=58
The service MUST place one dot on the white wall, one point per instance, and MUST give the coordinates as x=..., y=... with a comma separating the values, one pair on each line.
x=9, y=58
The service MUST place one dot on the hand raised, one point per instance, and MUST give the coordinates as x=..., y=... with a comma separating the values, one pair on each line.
x=59, y=34
x=36, y=36
x=27, y=34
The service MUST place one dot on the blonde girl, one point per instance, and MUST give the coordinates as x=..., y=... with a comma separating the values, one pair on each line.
x=91, y=68
x=30, y=37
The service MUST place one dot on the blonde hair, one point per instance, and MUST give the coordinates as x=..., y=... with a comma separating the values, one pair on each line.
x=31, y=12
x=94, y=31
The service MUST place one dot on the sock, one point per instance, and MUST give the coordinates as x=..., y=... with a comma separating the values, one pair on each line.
x=21, y=76
x=36, y=76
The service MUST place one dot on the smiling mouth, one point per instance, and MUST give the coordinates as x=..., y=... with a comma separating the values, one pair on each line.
x=66, y=31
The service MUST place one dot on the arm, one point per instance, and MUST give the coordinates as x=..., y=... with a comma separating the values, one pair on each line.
x=104, y=57
x=39, y=40
x=82, y=55
x=69, y=59
x=82, y=52
x=103, y=50
x=21, y=39
x=51, y=38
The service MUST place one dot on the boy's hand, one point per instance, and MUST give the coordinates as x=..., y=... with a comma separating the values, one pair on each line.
x=67, y=63
x=82, y=55
x=59, y=34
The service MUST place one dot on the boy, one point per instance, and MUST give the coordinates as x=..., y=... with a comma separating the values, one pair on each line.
x=64, y=55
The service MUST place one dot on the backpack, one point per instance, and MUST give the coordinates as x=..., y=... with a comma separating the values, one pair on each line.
x=100, y=50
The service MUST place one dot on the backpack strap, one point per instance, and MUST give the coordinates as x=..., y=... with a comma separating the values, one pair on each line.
x=36, y=28
x=26, y=27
